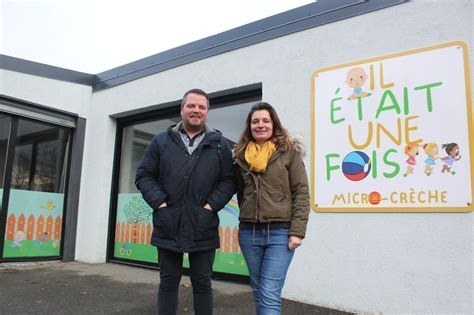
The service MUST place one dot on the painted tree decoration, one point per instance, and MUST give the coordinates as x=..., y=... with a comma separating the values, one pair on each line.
x=137, y=211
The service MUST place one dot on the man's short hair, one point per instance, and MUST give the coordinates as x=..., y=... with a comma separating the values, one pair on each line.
x=194, y=91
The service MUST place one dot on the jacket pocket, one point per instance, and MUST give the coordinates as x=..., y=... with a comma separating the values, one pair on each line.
x=248, y=205
x=205, y=223
x=276, y=204
x=166, y=222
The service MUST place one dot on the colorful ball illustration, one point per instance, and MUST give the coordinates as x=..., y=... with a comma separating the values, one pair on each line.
x=375, y=198
x=356, y=165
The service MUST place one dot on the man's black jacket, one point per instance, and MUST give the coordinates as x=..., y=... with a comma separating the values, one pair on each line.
x=168, y=173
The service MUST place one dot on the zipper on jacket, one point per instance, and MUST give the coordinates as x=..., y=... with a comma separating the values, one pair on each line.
x=258, y=197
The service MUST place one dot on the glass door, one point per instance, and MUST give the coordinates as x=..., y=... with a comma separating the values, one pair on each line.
x=36, y=189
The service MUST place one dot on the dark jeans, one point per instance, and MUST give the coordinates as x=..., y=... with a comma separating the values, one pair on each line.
x=200, y=271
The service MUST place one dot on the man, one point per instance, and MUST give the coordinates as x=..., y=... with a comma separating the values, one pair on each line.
x=186, y=176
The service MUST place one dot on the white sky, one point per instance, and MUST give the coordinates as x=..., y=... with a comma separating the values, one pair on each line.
x=96, y=35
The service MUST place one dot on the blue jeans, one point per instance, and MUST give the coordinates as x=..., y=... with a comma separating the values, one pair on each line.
x=268, y=258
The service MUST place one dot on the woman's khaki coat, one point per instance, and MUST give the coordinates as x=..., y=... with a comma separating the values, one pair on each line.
x=278, y=195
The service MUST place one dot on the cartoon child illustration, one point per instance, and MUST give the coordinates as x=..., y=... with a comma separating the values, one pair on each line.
x=412, y=150
x=17, y=239
x=356, y=77
x=43, y=238
x=452, y=149
x=431, y=150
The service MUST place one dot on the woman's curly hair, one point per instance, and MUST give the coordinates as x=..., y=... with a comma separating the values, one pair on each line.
x=279, y=136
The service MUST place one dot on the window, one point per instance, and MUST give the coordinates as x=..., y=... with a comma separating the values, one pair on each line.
x=133, y=217
x=35, y=175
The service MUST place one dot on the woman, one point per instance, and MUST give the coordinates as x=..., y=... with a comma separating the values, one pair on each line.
x=272, y=190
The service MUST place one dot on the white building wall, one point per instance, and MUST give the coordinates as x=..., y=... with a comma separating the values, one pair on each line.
x=390, y=263
x=96, y=183
x=66, y=96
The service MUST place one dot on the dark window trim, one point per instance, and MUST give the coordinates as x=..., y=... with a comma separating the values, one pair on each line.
x=246, y=93
x=73, y=190
x=7, y=181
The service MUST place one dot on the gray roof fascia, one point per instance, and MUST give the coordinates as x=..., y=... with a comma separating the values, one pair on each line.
x=44, y=70
x=302, y=18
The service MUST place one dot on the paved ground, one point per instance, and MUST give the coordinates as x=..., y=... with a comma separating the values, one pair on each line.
x=78, y=288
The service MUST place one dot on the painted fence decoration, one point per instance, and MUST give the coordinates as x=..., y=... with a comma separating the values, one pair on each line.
x=34, y=229
x=141, y=234
x=229, y=240
x=137, y=233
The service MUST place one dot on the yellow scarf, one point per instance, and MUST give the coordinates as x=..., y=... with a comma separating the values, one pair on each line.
x=257, y=156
